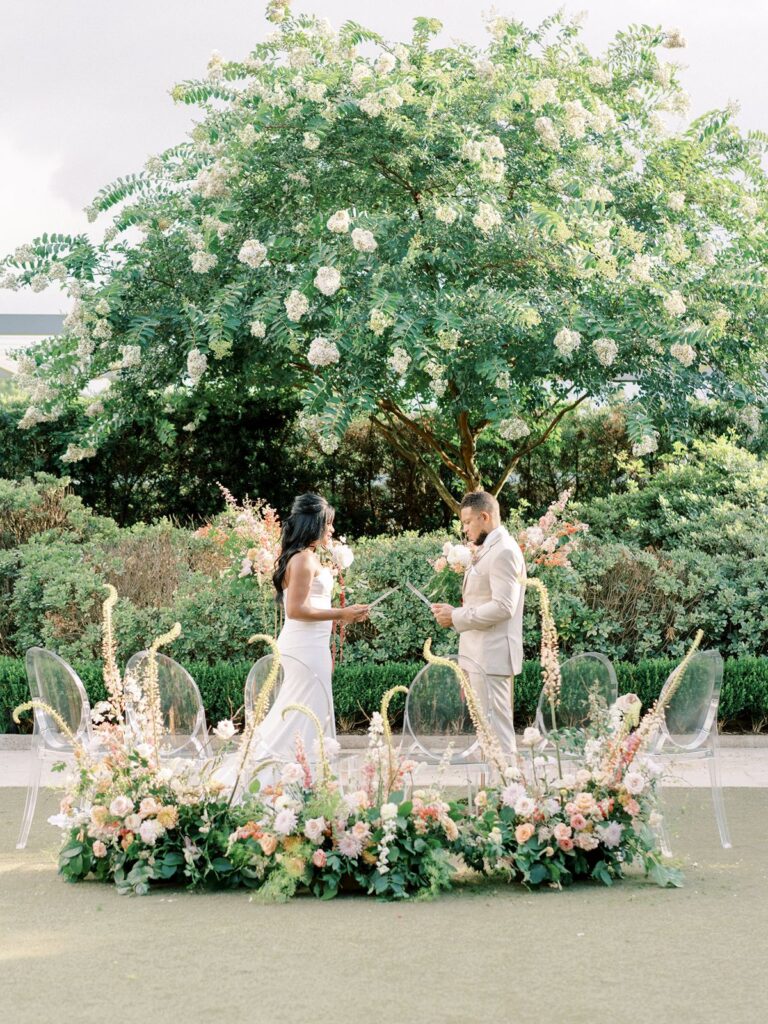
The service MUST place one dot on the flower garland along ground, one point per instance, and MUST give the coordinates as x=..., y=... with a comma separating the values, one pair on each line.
x=136, y=818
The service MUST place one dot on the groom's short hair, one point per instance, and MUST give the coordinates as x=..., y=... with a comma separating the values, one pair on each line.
x=480, y=501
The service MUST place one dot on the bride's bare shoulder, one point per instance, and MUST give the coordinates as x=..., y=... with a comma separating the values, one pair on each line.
x=303, y=563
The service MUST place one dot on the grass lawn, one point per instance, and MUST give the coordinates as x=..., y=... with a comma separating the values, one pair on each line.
x=632, y=953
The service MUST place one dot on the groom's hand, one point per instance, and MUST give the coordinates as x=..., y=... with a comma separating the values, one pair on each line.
x=443, y=613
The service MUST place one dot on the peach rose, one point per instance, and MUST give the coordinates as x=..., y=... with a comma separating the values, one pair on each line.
x=99, y=849
x=578, y=822
x=566, y=845
x=524, y=832
x=168, y=817
x=126, y=841
x=268, y=844
x=561, y=831
x=99, y=814
x=319, y=858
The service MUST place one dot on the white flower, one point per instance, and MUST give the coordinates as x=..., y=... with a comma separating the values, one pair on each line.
x=314, y=829
x=750, y=207
x=676, y=201
x=94, y=409
x=576, y=117
x=385, y=63
x=531, y=737
x=566, y=342
x=547, y=132
x=598, y=194
x=252, y=253
x=197, y=364
x=399, y=361
x=634, y=783
x=285, y=822
x=390, y=98
x=225, y=730
x=446, y=214
x=296, y=305
x=487, y=218
x=291, y=773
x=310, y=141
x=363, y=240
x=150, y=831
x=645, y=446
x=599, y=75
x=640, y=269
x=130, y=356
x=338, y=222
x=102, y=330
x=675, y=304
x=635, y=95
x=606, y=350
x=707, y=254
x=371, y=104
x=524, y=807
x=342, y=555
x=542, y=92
x=673, y=39
x=359, y=74
x=322, y=352
x=512, y=793
x=203, y=261
x=388, y=812
x=328, y=280
x=513, y=429
x=685, y=354
x=258, y=329
x=248, y=135
x=379, y=321
x=121, y=806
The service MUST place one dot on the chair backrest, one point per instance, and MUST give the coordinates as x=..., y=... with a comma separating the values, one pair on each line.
x=257, y=677
x=581, y=677
x=436, y=713
x=56, y=683
x=180, y=703
x=296, y=683
x=691, y=712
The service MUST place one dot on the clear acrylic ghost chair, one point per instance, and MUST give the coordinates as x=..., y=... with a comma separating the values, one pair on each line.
x=581, y=678
x=275, y=744
x=437, y=716
x=689, y=729
x=186, y=732
x=56, y=683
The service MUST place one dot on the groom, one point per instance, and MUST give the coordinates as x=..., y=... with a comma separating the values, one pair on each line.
x=490, y=620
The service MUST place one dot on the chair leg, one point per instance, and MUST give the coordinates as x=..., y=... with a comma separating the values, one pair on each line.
x=718, y=801
x=664, y=842
x=33, y=788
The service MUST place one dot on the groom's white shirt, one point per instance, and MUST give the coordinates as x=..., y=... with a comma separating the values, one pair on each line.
x=490, y=621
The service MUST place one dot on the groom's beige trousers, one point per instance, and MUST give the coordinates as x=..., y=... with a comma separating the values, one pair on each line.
x=500, y=693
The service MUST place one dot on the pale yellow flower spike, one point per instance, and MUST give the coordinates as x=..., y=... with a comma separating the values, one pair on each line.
x=384, y=709
x=112, y=679
x=652, y=717
x=325, y=766
x=485, y=734
x=42, y=706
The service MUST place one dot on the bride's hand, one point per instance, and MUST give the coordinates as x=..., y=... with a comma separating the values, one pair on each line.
x=354, y=613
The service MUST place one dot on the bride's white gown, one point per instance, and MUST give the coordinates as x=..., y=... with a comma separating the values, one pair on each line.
x=305, y=655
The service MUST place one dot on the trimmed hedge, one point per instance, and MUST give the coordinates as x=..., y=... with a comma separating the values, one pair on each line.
x=358, y=689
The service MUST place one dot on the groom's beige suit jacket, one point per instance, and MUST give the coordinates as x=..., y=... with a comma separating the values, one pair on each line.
x=490, y=620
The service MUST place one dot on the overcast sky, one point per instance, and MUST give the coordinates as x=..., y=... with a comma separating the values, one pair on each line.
x=85, y=82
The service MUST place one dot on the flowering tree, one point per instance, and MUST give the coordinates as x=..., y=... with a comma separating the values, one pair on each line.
x=449, y=241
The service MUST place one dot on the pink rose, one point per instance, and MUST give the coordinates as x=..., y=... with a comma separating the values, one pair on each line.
x=524, y=832
x=578, y=822
x=561, y=831
x=149, y=806
x=319, y=858
x=633, y=808
x=566, y=845
x=99, y=849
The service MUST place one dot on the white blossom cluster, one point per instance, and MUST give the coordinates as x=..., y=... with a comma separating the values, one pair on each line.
x=339, y=222
x=487, y=218
x=606, y=350
x=76, y=453
x=676, y=201
x=435, y=371
x=599, y=75
x=310, y=141
x=399, y=361
x=379, y=321
x=567, y=342
x=673, y=39
x=252, y=253
x=248, y=135
x=488, y=155
x=513, y=429
x=598, y=194
x=646, y=445
x=685, y=354
x=203, y=261
x=543, y=92
x=363, y=241
x=212, y=182
x=130, y=356
x=674, y=304
x=322, y=352
x=197, y=364
x=327, y=280
x=548, y=134
x=639, y=271
x=296, y=305
x=258, y=329
x=446, y=214
x=360, y=73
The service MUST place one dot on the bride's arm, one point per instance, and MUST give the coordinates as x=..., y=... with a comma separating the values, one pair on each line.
x=296, y=595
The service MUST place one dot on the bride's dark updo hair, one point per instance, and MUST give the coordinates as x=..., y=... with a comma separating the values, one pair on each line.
x=310, y=517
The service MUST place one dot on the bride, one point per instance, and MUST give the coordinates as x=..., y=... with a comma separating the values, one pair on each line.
x=304, y=588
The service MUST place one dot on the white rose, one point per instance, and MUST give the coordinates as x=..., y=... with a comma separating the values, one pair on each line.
x=388, y=812
x=150, y=831
x=634, y=783
x=292, y=773
x=121, y=806
x=314, y=829
x=225, y=730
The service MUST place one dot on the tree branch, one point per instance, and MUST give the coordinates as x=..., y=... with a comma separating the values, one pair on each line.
x=444, y=451
x=416, y=458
